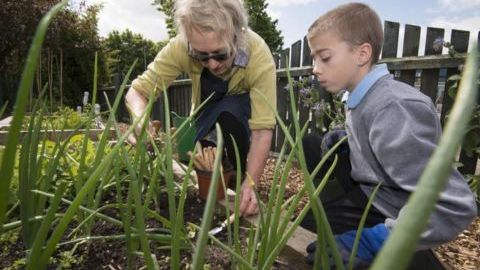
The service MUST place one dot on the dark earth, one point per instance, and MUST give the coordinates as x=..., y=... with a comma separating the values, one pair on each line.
x=463, y=253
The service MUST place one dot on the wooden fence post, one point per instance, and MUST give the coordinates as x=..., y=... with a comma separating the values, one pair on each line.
x=390, y=44
x=284, y=58
x=2, y=92
x=429, y=80
x=307, y=58
x=296, y=53
x=411, y=43
x=459, y=39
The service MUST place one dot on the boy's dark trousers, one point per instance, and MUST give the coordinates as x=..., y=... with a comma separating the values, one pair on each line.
x=344, y=201
x=342, y=198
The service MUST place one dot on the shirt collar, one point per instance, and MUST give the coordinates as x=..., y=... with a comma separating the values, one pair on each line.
x=365, y=84
x=241, y=59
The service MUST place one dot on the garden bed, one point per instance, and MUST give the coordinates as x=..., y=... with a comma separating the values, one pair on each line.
x=111, y=254
x=462, y=253
x=54, y=135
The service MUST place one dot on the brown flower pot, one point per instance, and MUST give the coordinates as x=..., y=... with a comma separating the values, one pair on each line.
x=204, y=180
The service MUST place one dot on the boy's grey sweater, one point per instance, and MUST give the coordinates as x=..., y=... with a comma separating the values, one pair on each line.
x=392, y=134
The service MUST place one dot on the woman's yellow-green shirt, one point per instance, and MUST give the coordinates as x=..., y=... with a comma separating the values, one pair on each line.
x=257, y=77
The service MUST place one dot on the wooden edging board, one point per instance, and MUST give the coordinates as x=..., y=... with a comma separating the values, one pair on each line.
x=53, y=135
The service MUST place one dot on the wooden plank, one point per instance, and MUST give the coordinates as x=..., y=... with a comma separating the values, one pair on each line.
x=424, y=62
x=307, y=58
x=408, y=77
x=61, y=134
x=289, y=113
x=285, y=58
x=6, y=122
x=157, y=110
x=295, y=249
x=273, y=144
x=447, y=101
x=459, y=40
x=282, y=98
x=411, y=41
x=433, y=34
x=390, y=44
x=296, y=54
x=304, y=114
x=469, y=163
x=429, y=78
x=327, y=98
x=294, y=72
x=429, y=83
x=276, y=57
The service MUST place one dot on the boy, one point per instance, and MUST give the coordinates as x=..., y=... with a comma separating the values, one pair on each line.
x=392, y=131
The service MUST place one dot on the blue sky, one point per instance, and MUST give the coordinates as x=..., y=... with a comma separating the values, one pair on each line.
x=295, y=16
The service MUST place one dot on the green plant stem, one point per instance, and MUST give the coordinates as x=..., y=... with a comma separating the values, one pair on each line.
x=6, y=168
x=198, y=256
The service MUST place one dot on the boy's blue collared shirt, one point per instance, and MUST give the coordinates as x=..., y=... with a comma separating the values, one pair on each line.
x=365, y=84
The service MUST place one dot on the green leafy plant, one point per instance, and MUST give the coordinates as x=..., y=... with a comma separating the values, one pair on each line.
x=471, y=142
x=328, y=112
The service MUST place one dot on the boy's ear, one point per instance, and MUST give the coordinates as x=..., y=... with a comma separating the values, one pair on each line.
x=364, y=54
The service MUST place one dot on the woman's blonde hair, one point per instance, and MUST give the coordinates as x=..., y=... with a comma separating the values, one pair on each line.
x=227, y=18
x=355, y=23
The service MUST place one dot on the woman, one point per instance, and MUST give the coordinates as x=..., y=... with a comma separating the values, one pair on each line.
x=232, y=65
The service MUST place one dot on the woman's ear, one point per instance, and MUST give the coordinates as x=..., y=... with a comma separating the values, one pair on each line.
x=364, y=54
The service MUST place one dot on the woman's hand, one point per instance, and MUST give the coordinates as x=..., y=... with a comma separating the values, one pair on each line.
x=248, y=200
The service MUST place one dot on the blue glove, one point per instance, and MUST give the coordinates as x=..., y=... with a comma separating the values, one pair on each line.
x=370, y=243
x=331, y=138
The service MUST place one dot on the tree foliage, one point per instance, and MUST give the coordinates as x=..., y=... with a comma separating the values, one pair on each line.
x=67, y=59
x=263, y=24
x=259, y=21
x=166, y=6
x=127, y=46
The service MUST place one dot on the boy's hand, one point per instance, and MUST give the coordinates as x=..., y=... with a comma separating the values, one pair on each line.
x=331, y=138
x=371, y=242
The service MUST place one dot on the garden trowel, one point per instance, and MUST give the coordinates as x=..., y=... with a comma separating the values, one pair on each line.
x=222, y=226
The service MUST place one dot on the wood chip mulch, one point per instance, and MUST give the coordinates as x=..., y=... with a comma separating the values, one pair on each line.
x=461, y=253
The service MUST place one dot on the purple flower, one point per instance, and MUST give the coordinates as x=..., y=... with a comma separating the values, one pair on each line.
x=305, y=92
x=438, y=44
x=319, y=106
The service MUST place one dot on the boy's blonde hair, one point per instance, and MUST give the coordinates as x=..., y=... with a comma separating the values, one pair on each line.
x=355, y=23
x=227, y=18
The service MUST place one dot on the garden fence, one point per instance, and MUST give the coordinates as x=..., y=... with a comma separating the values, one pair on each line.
x=428, y=73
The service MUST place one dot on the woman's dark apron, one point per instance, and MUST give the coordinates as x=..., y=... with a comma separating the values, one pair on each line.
x=237, y=105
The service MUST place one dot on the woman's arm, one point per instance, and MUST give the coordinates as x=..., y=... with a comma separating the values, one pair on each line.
x=257, y=156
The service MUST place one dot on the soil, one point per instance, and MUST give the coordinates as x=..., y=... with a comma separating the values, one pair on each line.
x=463, y=253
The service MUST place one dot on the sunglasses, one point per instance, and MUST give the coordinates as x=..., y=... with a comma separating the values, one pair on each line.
x=204, y=57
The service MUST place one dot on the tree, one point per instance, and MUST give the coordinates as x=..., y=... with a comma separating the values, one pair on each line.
x=262, y=24
x=259, y=21
x=127, y=46
x=67, y=58
x=166, y=6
